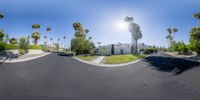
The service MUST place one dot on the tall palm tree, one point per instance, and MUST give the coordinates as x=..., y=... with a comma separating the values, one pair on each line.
x=64, y=37
x=1, y=15
x=48, y=29
x=171, y=31
x=51, y=39
x=36, y=27
x=45, y=37
x=197, y=16
x=136, y=34
x=169, y=37
x=99, y=43
x=35, y=35
x=174, y=31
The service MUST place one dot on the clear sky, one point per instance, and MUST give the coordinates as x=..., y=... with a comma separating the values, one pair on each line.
x=101, y=17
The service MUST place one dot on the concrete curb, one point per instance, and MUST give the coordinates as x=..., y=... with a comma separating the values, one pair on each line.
x=108, y=65
x=23, y=60
x=181, y=57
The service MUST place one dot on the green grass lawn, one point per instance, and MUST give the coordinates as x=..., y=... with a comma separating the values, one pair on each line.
x=86, y=57
x=118, y=59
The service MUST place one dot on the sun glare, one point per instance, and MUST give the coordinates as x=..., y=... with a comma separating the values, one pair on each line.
x=121, y=25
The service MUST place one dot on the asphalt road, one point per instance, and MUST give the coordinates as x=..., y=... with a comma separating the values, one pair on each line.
x=55, y=77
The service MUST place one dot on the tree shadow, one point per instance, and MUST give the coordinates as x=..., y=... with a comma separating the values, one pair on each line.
x=169, y=64
x=8, y=55
x=63, y=54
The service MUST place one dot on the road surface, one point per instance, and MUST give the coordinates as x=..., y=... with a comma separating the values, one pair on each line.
x=57, y=77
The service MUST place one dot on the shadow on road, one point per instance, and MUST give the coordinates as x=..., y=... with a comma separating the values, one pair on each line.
x=169, y=64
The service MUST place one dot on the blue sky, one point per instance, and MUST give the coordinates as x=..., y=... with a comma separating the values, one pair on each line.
x=100, y=17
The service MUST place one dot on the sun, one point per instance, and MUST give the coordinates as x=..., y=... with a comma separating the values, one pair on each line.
x=121, y=25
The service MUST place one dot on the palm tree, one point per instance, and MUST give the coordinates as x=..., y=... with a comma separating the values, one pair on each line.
x=1, y=15
x=136, y=34
x=174, y=31
x=35, y=27
x=36, y=37
x=64, y=37
x=197, y=16
x=99, y=43
x=48, y=29
x=129, y=19
x=169, y=36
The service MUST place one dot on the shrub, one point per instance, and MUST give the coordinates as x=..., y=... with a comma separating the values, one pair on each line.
x=11, y=47
x=195, y=40
x=70, y=53
x=45, y=49
x=150, y=50
x=35, y=47
x=24, y=44
x=181, y=47
x=13, y=41
x=2, y=46
x=21, y=51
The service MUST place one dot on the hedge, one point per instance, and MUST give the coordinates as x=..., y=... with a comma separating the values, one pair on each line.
x=11, y=47
x=4, y=46
x=38, y=47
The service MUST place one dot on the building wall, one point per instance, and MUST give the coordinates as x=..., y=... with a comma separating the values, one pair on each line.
x=122, y=49
x=118, y=49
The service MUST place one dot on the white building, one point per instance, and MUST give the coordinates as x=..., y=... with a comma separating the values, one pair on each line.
x=117, y=49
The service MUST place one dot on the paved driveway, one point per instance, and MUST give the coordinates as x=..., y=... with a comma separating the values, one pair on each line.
x=54, y=77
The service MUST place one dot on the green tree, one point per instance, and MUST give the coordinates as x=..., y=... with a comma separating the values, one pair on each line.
x=195, y=40
x=13, y=41
x=80, y=44
x=136, y=33
x=2, y=34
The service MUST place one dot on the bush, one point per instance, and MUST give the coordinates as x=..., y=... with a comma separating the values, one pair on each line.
x=38, y=47
x=195, y=46
x=21, y=51
x=70, y=53
x=181, y=47
x=2, y=46
x=150, y=50
x=11, y=47
x=45, y=49
x=195, y=40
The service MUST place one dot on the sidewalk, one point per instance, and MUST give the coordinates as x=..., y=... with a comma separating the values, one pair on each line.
x=98, y=60
x=23, y=58
x=193, y=58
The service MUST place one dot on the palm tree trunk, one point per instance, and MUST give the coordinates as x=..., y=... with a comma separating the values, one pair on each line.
x=35, y=41
x=136, y=47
